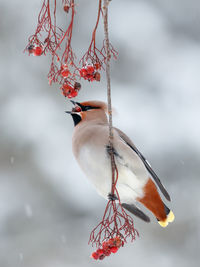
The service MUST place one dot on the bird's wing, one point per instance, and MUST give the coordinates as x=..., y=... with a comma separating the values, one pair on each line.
x=136, y=211
x=127, y=140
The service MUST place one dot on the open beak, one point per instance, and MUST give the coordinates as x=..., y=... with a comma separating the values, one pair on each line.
x=73, y=111
x=73, y=102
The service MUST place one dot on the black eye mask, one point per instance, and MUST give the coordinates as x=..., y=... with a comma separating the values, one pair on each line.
x=86, y=108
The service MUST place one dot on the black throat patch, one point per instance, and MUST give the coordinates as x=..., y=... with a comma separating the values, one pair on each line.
x=76, y=118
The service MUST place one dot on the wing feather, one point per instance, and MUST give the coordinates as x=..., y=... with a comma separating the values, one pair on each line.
x=128, y=141
x=135, y=211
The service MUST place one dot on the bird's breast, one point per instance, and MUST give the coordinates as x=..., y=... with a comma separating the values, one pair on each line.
x=96, y=165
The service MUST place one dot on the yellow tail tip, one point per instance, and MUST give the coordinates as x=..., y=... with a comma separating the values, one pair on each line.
x=163, y=223
x=170, y=218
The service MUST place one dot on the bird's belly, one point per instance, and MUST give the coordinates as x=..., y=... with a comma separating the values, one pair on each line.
x=97, y=167
x=129, y=186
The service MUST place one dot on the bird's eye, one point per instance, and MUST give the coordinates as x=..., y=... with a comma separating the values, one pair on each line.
x=87, y=108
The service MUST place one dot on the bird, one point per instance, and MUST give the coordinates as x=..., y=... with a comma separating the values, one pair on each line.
x=137, y=182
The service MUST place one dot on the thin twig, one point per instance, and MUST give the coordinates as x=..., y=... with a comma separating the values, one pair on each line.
x=107, y=48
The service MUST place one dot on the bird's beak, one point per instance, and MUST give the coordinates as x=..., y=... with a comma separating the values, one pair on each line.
x=73, y=110
x=68, y=112
x=73, y=102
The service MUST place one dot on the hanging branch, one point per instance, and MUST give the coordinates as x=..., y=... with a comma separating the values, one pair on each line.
x=116, y=225
x=51, y=39
x=107, y=61
x=94, y=55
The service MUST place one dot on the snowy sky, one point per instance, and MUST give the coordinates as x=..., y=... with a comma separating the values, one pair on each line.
x=47, y=206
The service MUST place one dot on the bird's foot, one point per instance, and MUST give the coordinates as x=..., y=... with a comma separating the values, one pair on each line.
x=112, y=197
x=109, y=149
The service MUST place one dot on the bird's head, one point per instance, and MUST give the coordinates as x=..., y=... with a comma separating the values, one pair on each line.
x=88, y=111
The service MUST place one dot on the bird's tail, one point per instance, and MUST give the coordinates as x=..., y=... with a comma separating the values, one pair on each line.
x=170, y=217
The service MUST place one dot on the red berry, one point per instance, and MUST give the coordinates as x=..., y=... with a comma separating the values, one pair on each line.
x=97, y=66
x=66, y=8
x=83, y=72
x=31, y=49
x=95, y=255
x=65, y=73
x=114, y=249
x=97, y=76
x=110, y=242
x=77, y=86
x=101, y=257
x=89, y=77
x=105, y=244
x=67, y=87
x=38, y=51
x=64, y=66
x=50, y=81
x=118, y=241
x=73, y=93
x=90, y=69
x=100, y=251
x=107, y=252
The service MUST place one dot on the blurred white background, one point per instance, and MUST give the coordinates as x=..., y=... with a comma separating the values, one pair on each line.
x=47, y=207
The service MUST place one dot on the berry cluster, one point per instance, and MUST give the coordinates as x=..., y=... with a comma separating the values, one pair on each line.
x=36, y=50
x=65, y=76
x=108, y=247
x=50, y=38
x=69, y=90
x=90, y=73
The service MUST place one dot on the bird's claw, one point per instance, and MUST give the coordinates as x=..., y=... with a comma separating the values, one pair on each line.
x=110, y=149
x=112, y=197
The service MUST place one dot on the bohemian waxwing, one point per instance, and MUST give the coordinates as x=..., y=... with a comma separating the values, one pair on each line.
x=91, y=149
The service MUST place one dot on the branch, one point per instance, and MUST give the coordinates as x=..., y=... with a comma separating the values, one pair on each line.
x=107, y=62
